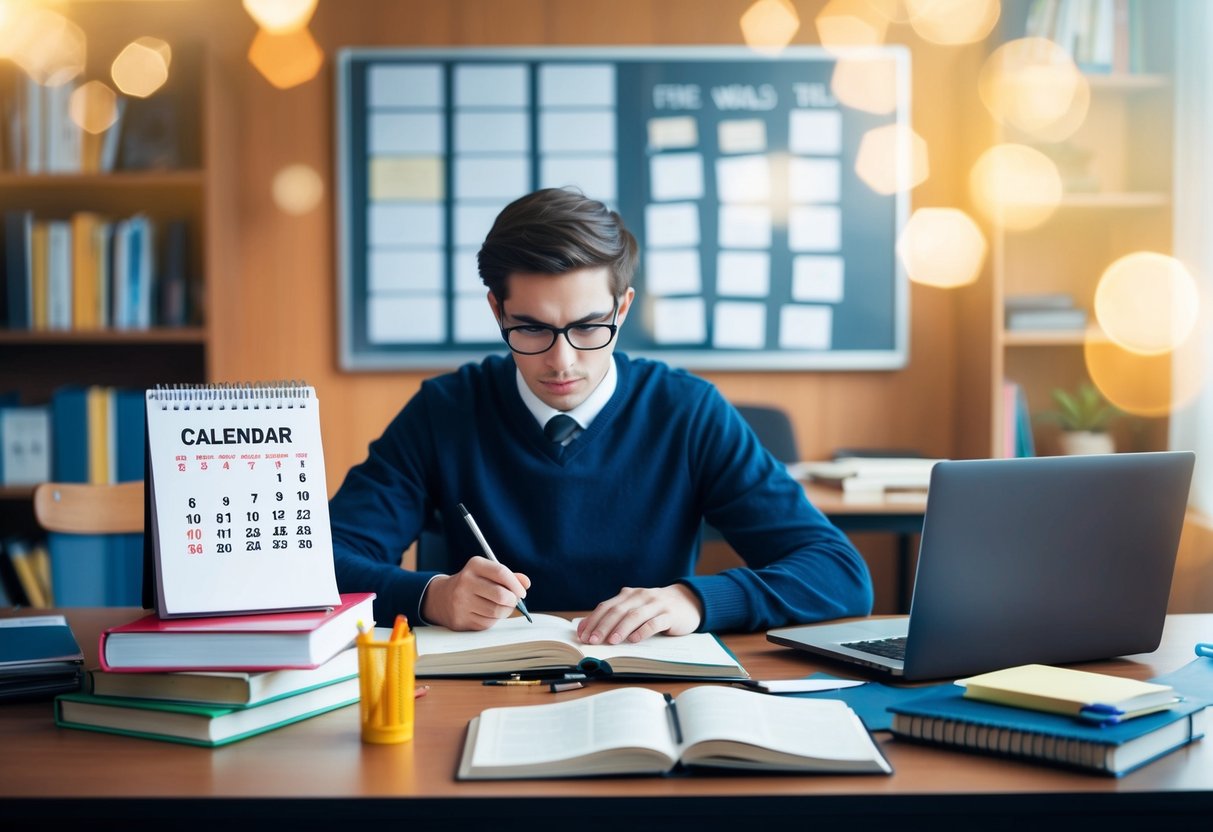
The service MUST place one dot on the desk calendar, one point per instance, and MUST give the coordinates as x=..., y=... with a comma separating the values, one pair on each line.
x=238, y=501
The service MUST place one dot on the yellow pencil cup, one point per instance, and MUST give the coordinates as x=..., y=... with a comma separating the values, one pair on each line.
x=385, y=682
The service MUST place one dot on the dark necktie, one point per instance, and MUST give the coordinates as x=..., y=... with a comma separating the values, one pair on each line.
x=559, y=428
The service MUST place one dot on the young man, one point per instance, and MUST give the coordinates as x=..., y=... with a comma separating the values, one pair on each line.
x=605, y=517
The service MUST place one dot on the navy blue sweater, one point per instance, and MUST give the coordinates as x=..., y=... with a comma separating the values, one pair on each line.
x=620, y=506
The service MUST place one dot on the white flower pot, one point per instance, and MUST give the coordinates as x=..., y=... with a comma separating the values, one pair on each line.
x=1086, y=442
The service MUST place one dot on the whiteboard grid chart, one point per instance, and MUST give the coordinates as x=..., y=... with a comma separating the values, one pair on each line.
x=760, y=246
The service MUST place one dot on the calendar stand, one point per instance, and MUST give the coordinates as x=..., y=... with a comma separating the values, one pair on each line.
x=236, y=501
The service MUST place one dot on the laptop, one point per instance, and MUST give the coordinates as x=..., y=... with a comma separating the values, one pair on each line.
x=1046, y=560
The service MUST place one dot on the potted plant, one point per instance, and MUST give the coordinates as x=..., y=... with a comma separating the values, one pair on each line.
x=1084, y=417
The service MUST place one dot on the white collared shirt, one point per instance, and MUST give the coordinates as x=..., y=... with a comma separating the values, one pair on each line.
x=584, y=413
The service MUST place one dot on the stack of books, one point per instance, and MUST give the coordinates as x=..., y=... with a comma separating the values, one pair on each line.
x=1072, y=718
x=213, y=681
x=1050, y=311
x=39, y=657
x=870, y=476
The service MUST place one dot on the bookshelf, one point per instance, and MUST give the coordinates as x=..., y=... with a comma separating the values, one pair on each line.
x=177, y=183
x=1116, y=200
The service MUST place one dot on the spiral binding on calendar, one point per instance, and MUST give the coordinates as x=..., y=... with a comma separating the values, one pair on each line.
x=254, y=395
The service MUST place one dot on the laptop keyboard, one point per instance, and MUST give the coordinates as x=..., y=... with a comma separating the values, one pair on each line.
x=890, y=648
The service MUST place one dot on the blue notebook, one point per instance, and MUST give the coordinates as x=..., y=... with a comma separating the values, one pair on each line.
x=949, y=719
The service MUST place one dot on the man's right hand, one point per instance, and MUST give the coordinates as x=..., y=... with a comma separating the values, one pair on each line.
x=474, y=598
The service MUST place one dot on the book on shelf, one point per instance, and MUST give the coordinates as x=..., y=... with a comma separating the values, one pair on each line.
x=39, y=657
x=58, y=273
x=1017, y=438
x=1096, y=33
x=951, y=720
x=1030, y=320
x=639, y=731
x=1038, y=300
x=25, y=445
x=550, y=644
x=257, y=641
x=236, y=689
x=97, y=435
x=28, y=561
x=18, y=269
x=1096, y=697
x=198, y=724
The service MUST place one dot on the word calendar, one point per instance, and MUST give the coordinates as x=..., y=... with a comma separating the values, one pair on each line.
x=238, y=499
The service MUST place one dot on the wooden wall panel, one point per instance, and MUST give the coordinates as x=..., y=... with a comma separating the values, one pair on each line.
x=274, y=300
x=282, y=322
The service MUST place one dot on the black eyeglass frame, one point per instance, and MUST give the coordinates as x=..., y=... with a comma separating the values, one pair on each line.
x=556, y=332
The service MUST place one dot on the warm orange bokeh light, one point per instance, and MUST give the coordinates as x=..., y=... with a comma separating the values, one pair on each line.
x=891, y=159
x=895, y=11
x=1015, y=186
x=941, y=247
x=49, y=47
x=141, y=67
x=286, y=60
x=297, y=189
x=1147, y=303
x=93, y=107
x=1144, y=385
x=865, y=81
x=1032, y=84
x=953, y=22
x=769, y=25
x=280, y=17
x=845, y=24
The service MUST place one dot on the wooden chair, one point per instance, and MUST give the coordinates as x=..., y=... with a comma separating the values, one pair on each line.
x=77, y=508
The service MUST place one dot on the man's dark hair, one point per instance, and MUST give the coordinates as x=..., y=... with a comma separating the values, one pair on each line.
x=553, y=231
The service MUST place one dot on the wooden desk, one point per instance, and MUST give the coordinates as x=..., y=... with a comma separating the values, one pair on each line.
x=899, y=514
x=313, y=773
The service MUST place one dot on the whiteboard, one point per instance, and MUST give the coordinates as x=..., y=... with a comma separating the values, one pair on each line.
x=761, y=247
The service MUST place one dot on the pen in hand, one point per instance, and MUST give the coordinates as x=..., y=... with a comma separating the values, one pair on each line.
x=488, y=553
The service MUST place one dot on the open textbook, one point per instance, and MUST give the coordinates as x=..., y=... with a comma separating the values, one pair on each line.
x=639, y=731
x=551, y=644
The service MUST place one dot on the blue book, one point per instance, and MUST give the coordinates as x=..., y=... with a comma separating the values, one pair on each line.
x=129, y=416
x=949, y=719
x=69, y=434
x=95, y=570
x=18, y=277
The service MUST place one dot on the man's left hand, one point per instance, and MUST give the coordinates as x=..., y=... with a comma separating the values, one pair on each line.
x=635, y=614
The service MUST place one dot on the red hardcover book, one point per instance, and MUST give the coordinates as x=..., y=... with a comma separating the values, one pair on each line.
x=261, y=641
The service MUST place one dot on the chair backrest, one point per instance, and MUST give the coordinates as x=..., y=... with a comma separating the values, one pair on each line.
x=774, y=429
x=78, y=508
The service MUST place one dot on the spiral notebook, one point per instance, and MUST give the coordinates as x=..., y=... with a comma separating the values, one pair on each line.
x=237, y=502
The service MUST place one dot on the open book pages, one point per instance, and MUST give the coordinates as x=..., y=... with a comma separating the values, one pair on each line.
x=551, y=643
x=633, y=731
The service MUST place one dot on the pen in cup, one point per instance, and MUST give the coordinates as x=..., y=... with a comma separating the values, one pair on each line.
x=488, y=553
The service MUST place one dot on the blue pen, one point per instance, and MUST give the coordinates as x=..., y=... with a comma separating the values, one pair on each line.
x=1205, y=650
x=1101, y=713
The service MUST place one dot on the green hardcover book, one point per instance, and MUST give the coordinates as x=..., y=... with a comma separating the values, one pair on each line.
x=196, y=724
x=236, y=689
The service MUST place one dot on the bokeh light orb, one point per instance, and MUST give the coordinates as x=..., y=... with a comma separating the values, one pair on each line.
x=941, y=247
x=297, y=189
x=1014, y=186
x=1147, y=303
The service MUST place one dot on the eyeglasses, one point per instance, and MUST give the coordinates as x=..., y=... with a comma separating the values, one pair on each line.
x=533, y=339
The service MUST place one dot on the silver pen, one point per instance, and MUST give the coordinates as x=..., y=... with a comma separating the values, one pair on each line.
x=488, y=553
